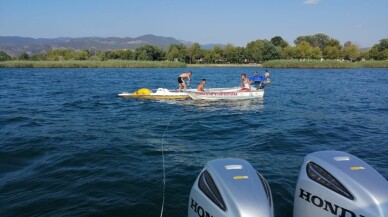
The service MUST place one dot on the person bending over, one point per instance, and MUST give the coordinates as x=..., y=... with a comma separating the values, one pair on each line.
x=181, y=80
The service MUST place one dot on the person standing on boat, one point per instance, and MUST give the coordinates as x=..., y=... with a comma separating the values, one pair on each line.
x=181, y=78
x=201, y=86
x=266, y=75
x=245, y=82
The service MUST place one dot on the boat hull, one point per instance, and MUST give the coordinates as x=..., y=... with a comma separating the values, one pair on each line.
x=226, y=95
x=152, y=96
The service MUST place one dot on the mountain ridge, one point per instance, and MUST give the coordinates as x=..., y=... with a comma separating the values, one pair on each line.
x=15, y=45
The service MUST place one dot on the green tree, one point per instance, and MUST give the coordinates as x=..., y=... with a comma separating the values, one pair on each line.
x=304, y=50
x=270, y=51
x=148, y=53
x=385, y=54
x=253, y=51
x=279, y=42
x=126, y=54
x=307, y=38
x=318, y=40
x=322, y=40
x=60, y=54
x=81, y=55
x=316, y=53
x=207, y=56
x=364, y=55
x=334, y=43
x=100, y=55
x=112, y=55
x=217, y=53
x=289, y=52
x=379, y=51
x=240, y=55
x=350, y=52
x=39, y=57
x=375, y=53
x=176, y=52
x=4, y=56
x=24, y=56
x=233, y=54
x=331, y=52
x=384, y=43
x=122, y=54
x=262, y=50
x=194, y=53
x=172, y=53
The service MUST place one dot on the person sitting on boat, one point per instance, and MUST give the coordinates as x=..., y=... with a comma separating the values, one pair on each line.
x=201, y=86
x=181, y=78
x=256, y=81
x=254, y=78
x=245, y=82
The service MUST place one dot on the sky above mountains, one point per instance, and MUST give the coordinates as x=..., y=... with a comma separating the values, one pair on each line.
x=204, y=21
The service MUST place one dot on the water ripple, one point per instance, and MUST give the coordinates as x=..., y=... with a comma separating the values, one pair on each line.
x=71, y=147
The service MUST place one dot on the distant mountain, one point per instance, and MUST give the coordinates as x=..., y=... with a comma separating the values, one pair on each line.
x=15, y=45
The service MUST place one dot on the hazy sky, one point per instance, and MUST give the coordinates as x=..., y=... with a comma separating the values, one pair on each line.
x=363, y=22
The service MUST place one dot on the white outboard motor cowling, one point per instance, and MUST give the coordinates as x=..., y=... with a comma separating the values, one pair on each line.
x=230, y=188
x=334, y=183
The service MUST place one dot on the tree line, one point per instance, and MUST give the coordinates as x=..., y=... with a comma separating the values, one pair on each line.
x=318, y=46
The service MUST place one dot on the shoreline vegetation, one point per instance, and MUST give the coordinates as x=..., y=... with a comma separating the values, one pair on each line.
x=211, y=65
x=283, y=63
x=309, y=51
x=324, y=64
x=91, y=64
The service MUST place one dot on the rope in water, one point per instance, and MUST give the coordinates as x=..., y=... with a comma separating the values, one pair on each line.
x=164, y=167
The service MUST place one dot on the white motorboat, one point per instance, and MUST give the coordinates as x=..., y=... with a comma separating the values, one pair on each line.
x=234, y=93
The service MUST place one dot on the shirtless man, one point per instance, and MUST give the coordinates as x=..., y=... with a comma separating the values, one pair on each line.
x=245, y=83
x=181, y=78
x=201, y=86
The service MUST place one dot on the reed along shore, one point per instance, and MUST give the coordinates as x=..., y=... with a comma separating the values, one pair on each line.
x=170, y=64
x=91, y=64
x=317, y=64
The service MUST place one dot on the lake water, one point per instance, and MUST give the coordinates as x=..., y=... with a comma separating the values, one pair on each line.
x=70, y=147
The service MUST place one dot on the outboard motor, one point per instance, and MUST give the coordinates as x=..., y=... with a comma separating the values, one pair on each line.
x=334, y=183
x=230, y=187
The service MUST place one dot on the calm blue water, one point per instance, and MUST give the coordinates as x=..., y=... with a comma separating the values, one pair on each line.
x=70, y=147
